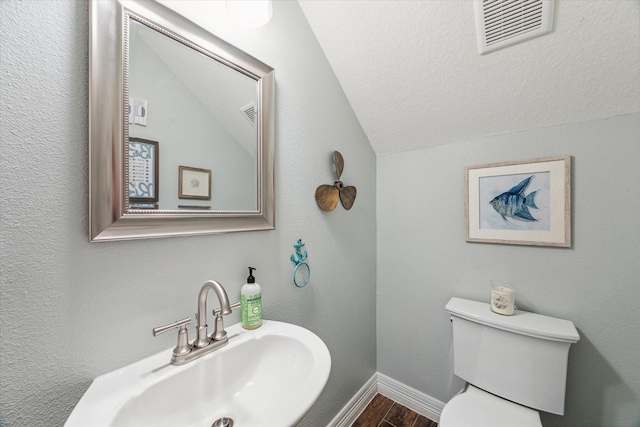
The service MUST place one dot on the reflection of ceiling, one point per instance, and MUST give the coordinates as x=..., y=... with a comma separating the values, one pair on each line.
x=223, y=91
x=413, y=75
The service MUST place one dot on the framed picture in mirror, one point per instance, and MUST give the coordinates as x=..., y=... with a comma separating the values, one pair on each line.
x=143, y=171
x=194, y=183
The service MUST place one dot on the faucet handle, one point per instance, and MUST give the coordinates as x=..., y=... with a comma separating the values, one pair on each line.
x=217, y=311
x=218, y=330
x=177, y=324
x=183, y=346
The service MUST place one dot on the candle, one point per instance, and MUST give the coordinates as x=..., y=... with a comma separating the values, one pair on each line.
x=502, y=299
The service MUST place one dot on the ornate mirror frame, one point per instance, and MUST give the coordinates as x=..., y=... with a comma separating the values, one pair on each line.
x=110, y=217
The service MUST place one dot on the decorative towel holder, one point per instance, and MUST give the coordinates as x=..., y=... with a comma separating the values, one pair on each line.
x=299, y=260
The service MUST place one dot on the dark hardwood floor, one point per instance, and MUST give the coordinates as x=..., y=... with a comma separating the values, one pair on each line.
x=384, y=412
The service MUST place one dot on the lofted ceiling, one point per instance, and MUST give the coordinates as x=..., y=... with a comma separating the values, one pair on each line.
x=412, y=72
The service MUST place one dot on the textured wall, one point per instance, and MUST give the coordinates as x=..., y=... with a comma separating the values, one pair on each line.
x=71, y=310
x=423, y=261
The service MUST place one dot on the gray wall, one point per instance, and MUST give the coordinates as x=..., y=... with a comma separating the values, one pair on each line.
x=423, y=260
x=71, y=310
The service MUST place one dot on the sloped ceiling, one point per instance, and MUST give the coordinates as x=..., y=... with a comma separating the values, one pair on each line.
x=412, y=72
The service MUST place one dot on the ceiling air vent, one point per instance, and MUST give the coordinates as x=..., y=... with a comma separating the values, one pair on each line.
x=502, y=23
x=249, y=112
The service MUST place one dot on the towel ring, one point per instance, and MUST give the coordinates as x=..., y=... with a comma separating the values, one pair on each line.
x=306, y=277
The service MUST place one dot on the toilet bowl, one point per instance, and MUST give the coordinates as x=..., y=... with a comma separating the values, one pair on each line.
x=514, y=366
x=477, y=408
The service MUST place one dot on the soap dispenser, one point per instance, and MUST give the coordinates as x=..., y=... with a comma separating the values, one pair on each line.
x=251, y=299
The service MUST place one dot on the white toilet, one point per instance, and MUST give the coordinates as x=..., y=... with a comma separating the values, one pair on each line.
x=514, y=366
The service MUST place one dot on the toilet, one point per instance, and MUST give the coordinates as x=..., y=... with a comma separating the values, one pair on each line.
x=514, y=366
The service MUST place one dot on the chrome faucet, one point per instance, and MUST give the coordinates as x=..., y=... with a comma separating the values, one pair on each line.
x=201, y=316
x=203, y=344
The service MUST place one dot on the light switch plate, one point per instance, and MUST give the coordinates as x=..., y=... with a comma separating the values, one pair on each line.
x=130, y=106
x=141, y=112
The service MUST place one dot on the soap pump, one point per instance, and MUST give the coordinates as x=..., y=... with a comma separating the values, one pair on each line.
x=251, y=299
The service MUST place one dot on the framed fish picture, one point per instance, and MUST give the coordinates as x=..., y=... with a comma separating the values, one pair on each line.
x=520, y=203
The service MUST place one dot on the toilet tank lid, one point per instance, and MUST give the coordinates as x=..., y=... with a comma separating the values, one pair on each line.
x=521, y=322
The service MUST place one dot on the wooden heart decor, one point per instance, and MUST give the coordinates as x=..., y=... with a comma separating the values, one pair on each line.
x=327, y=195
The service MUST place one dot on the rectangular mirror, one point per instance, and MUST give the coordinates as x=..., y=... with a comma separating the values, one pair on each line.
x=181, y=128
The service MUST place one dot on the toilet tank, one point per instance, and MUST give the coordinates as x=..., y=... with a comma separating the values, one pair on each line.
x=522, y=358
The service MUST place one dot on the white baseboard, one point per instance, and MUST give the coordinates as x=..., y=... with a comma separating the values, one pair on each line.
x=394, y=390
x=356, y=405
x=410, y=397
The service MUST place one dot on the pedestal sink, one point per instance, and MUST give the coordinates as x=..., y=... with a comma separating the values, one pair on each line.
x=270, y=377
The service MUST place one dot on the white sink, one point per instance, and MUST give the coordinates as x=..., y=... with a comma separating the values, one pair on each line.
x=270, y=377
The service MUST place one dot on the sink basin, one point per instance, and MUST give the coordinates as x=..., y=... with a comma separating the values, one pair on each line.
x=270, y=377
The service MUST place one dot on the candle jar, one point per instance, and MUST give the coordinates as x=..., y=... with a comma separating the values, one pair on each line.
x=502, y=298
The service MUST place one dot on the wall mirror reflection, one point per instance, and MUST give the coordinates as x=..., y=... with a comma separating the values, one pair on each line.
x=202, y=112
x=182, y=136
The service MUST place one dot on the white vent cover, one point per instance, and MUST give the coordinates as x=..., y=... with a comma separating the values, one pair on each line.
x=502, y=23
x=249, y=112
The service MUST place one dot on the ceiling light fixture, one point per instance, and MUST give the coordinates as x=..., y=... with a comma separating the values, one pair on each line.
x=252, y=13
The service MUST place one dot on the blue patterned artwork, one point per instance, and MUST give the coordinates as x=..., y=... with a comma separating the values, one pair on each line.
x=143, y=170
x=515, y=202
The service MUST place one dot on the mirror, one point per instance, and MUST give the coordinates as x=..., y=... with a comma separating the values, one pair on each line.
x=181, y=128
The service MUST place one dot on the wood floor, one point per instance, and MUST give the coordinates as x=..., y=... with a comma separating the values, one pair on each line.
x=384, y=412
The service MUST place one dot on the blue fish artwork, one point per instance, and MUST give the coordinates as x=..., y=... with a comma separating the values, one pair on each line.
x=514, y=204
